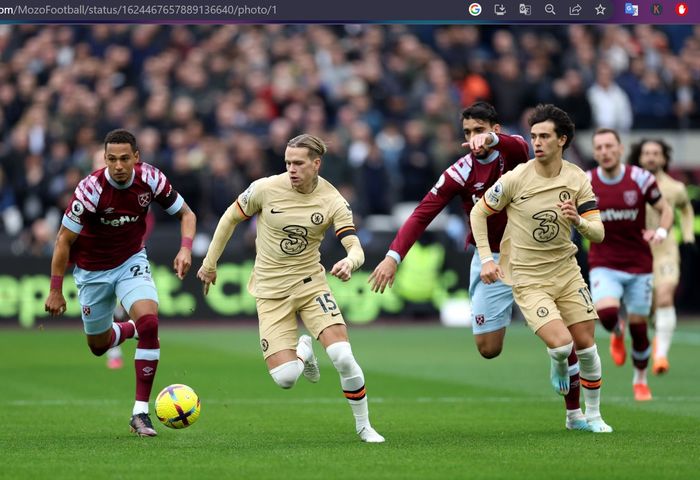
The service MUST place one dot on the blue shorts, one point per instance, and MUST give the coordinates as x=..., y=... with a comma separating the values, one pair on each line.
x=129, y=282
x=492, y=305
x=633, y=289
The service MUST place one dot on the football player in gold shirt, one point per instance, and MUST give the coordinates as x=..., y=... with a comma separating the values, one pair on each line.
x=655, y=156
x=294, y=210
x=544, y=198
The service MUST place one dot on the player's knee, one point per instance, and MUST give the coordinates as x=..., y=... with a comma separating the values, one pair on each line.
x=664, y=300
x=608, y=317
x=490, y=351
x=341, y=355
x=286, y=375
x=98, y=351
x=284, y=382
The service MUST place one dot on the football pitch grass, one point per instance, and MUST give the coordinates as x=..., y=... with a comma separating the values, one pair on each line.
x=445, y=412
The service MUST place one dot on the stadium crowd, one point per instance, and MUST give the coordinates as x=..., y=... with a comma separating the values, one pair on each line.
x=213, y=106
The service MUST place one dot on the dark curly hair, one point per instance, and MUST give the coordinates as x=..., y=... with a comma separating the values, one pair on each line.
x=636, y=152
x=481, y=111
x=561, y=120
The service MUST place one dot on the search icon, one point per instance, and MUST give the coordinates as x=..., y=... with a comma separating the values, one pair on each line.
x=549, y=8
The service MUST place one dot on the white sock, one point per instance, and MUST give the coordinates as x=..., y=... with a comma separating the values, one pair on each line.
x=352, y=380
x=591, y=378
x=665, y=325
x=574, y=414
x=640, y=376
x=140, y=407
x=286, y=375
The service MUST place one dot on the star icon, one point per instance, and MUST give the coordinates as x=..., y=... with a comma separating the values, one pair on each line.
x=600, y=9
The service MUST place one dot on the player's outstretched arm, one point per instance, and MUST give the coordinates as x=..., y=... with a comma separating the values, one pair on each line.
x=383, y=275
x=55, y=302
x=356, y=257
x=188, y=227
x=227, y=224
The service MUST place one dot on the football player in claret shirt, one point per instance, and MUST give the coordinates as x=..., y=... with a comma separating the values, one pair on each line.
x=544, y=198
x=492, y=153
x=621, y=266
x=654, y=156
x=294, y=210
x=102, y=232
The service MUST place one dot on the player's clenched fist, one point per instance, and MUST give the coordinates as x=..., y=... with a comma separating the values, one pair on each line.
x=568, y=209
x=207, y=278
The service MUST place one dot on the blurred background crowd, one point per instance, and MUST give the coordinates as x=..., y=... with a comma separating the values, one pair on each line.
x=213, y=106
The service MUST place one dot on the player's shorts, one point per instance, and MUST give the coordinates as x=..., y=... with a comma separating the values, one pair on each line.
x=129, y=282
x=633, y=289
x=566, y=297
x=311, y=299
x=667, y=262
x=492, y=305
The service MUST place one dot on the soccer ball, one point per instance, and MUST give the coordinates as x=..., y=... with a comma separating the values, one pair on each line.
x=177, y=406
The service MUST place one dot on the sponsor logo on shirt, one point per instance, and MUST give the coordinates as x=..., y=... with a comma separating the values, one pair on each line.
x=118, y=222
x=613, y=214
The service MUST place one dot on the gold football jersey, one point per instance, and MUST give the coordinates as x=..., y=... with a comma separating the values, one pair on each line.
x=539, y=235
x=290, y=228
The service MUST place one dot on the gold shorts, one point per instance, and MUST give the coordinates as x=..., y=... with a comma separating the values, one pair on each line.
x=667, y=266
x=311, y=300
x=566, y=298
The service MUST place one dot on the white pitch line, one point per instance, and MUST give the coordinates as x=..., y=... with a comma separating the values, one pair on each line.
x=339, y=400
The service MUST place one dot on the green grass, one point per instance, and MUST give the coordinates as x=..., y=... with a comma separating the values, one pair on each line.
x=446, y=413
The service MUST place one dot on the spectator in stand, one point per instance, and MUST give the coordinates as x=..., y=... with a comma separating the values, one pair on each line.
x=609, y=103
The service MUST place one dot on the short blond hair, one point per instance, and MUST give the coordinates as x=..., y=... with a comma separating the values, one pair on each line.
x=314, y=144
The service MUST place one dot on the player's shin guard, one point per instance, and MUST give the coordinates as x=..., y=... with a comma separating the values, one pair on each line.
x=146, y=358
x=665, y=325
x=641, y=349
x=591, y=379
x=609, y=317
x=286, y=375
x=352, y=380
x=559, y=374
